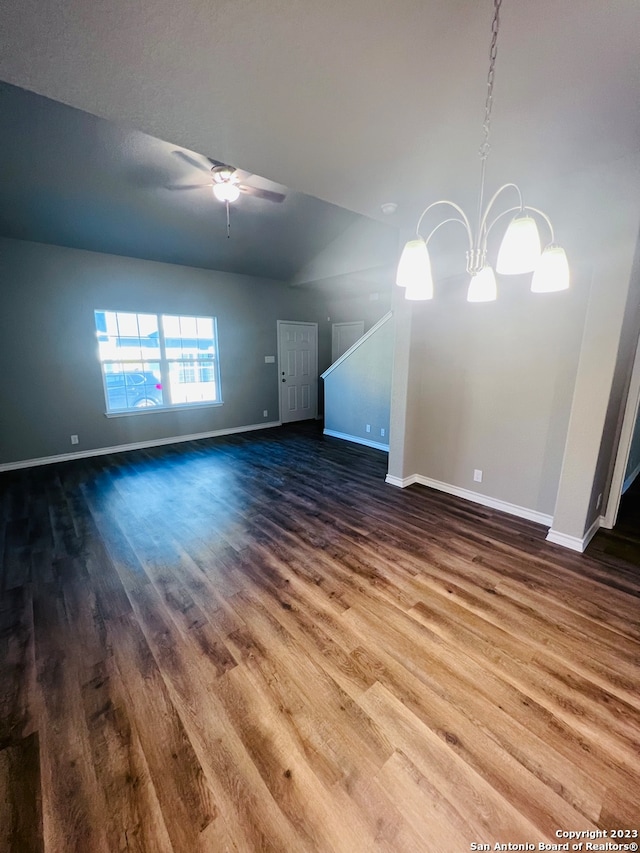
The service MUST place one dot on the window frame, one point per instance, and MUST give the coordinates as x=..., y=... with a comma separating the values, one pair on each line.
x=163, y=362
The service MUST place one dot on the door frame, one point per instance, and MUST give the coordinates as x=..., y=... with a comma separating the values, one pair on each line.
x=334, y=326
x=631, y=409
x=280, y=324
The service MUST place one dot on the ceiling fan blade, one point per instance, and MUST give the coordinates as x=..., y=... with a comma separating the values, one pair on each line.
x=267, y=195
x=215, y=162
x=199, y=164
x=187, y=186
x=242, y=176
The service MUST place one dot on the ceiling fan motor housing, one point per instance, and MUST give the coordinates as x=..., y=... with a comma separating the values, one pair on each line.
x=223, y=174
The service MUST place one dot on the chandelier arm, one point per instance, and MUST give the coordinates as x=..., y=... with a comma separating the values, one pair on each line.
x=444, y=222
x=499, y=216
x=463, y=220
x=485, y=217
x=482, y=234
x=513, y=210
x=545, y=217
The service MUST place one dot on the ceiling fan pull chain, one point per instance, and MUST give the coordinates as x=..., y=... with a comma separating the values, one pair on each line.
x=228, y=222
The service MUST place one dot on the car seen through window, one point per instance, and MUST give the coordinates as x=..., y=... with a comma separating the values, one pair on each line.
x=157, y=361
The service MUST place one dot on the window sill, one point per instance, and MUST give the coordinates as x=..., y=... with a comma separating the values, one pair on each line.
x=152, y=410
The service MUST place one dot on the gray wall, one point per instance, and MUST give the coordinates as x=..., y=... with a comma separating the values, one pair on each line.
x=352, y=278
x=369, y=307
x=358, y=389
x=350, y=299
x=607, y=210
x=345, y=307
x=50, y=380
x=521, y=388
x=365, y=246
x=493, y=385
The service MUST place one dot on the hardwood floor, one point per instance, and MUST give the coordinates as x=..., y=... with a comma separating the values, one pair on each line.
x=253, y=644
x=623, y=542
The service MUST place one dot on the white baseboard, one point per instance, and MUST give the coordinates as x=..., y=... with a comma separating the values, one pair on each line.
x=576, y=543
x=356, y=439
x=401, y=482
x=136, y=445
x=475, y=497
x=573, y=542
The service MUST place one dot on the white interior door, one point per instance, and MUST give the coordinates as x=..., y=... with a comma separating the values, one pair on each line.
x=298, y=370
x=343, y=336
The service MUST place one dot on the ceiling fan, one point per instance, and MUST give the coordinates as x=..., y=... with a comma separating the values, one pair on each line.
x=223, y=175
x=227, y=186
x=227, y=183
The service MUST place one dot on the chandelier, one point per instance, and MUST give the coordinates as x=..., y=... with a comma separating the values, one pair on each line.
x=520, y=251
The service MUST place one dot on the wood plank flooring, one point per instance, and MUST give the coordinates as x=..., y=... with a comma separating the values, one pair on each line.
x=623, y=541
x=253, y=644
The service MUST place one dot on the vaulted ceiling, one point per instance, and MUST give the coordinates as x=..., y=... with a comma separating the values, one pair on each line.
x=72, y=179
x=356, y=103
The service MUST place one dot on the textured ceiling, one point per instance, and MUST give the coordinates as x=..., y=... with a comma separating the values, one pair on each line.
x=357, y=102
x=72, y=179
x=354, y=103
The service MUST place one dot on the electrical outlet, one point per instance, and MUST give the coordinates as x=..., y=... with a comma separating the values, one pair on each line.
x=74, y=439
x=382, y=432
x=368, y=428
x=477, y=475
x=265, y=413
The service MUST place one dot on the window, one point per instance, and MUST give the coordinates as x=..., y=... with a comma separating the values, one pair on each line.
x=152, y=361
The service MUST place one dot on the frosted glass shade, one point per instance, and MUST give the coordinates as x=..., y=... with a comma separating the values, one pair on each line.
x=226, y=191
x=414, y=271
x=482, y=287
x=552, y=270
x=520, y=248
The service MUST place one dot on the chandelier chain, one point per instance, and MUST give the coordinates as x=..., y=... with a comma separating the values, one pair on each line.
x=520, y=250
x=493, y=52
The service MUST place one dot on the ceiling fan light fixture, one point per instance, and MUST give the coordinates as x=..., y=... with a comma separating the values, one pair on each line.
x=222, y=174
x=226, y=191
